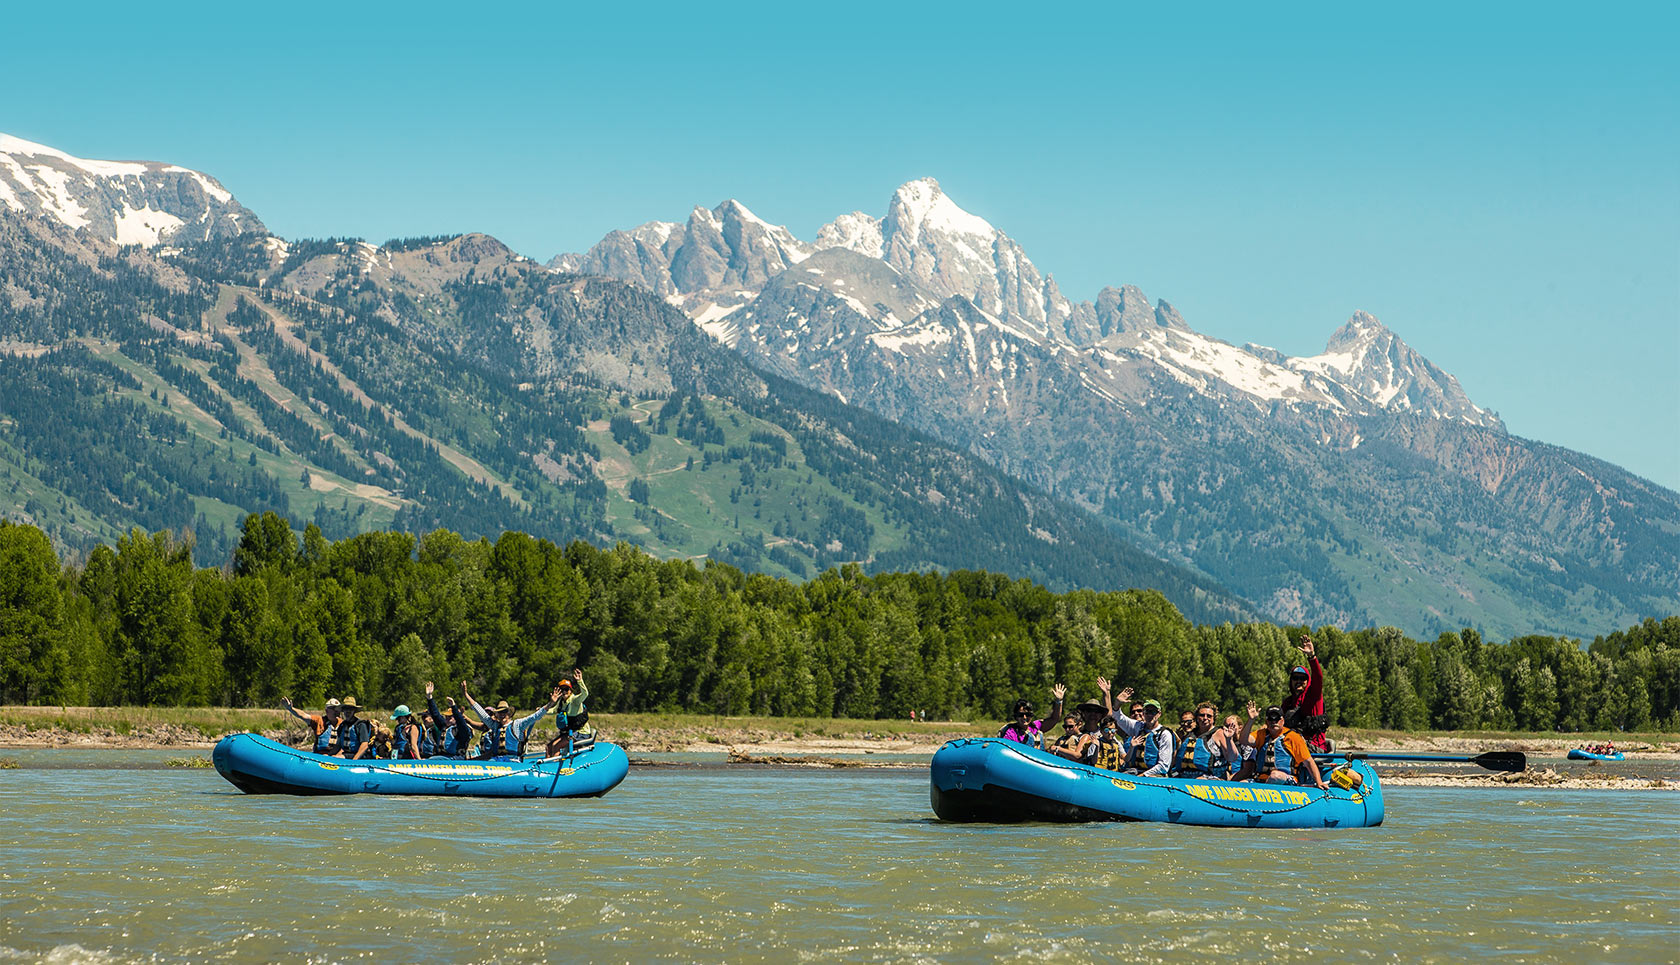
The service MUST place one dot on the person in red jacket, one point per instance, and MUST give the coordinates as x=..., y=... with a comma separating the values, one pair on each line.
x=1303, y=709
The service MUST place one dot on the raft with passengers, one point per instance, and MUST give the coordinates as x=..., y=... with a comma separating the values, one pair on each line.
x=1110, y=765
x=438, y=752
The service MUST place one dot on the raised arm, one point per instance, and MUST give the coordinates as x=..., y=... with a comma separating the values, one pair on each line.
x=286, y=702
x=477, y=708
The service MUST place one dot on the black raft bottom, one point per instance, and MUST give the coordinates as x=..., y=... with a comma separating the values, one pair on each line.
x=251, y=784
x=1002, y=805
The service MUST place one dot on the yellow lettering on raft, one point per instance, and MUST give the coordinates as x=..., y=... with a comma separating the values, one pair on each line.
x=1200, y=790
x=1295, y=797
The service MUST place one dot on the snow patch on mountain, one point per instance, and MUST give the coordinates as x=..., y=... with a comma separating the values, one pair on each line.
x=125, y=202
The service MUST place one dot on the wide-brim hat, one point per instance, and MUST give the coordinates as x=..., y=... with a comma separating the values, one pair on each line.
x=501, y=707
x=1090, y=707
x=349, y=703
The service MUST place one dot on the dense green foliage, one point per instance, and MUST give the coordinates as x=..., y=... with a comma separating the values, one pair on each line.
x=377, y=614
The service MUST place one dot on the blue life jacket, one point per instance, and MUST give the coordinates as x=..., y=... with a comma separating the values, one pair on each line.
x=354, y=736
x=326, y=738
x=1202, y=758
x=500, y=740
x=1275, y=756
x=402, y=750
x=1149, y=753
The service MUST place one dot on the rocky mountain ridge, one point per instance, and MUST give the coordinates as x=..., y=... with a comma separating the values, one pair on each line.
x=126, y=202
x=1299, y=482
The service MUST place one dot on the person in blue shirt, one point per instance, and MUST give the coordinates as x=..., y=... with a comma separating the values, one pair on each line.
x=503, y=735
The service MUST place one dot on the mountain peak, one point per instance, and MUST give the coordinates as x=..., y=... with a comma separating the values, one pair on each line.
x=126, y=202
x=921, y=205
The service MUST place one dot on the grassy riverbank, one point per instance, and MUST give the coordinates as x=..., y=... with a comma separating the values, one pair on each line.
x=178, y=726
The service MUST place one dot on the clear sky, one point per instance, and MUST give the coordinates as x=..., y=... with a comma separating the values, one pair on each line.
x=1499, y=183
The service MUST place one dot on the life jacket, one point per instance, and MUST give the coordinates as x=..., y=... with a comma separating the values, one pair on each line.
x=326, y=738
x=1200, y=757
x=349, y=738
x=1148, y=753
x=402, y=749
x=1110, y=753
x=496, y=736
x=1274, y=756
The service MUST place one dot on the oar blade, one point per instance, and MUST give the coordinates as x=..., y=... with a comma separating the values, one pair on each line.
x=1502, y=761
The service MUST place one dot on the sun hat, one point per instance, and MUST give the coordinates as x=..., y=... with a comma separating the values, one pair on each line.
x=501, y=705
x=349, y=703
x=1091, y=707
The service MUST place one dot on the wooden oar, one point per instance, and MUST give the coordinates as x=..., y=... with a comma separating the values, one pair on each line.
x=1492, y=760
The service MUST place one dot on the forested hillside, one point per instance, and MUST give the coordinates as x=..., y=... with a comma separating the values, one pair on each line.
x=448, y=383
x=377, y=614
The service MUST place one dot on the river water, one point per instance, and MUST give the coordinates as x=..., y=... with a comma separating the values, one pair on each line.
x=111, y=864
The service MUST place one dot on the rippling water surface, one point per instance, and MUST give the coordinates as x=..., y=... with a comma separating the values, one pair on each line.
x=99, y=864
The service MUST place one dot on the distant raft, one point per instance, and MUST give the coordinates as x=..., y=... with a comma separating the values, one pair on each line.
x=1576, y=754
x=994, y=780
x=257, y=765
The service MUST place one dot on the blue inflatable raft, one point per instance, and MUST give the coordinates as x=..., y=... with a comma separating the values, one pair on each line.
x=257, y=765
x=1576, y=754
x=990, y=779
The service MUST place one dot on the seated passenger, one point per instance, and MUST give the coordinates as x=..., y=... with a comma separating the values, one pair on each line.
x=1071, y=743
x=504, y=736
x=380, y=747
x=572, y=727
x=1281, y=756
x=355, y=736
x=1022, y=729
x=1108, y=749
x=412, y=740
x=1152, y=748
x=323, y=729
x=1206, y=751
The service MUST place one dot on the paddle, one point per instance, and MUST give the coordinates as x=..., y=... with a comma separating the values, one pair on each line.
x=1492, y=760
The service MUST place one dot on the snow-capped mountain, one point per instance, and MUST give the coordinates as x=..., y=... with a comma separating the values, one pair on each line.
x=741, y=279
x=126, y=202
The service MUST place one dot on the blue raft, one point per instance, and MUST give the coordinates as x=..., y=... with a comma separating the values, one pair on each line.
x=257, y=765
x=994, y=780
x=1576, y=754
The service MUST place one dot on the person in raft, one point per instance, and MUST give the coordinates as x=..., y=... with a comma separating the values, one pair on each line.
x=1022, y=729
x=1303, y=709
x=1152, y=745
x=571, y=723
x=1281, y=755
x=323, y=728
x=1206, y=751
x=412, y=740
x=1071, y=744
x=453, y=731
x=355, y=736
x=504, y=736
x=1108, y=749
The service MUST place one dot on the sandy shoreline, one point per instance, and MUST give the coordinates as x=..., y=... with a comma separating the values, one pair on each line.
x=745, y=745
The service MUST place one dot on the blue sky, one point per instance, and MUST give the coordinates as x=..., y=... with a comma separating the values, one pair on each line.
x=1500, y=184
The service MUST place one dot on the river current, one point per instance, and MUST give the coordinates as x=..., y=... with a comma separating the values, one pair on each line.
x=104, y=864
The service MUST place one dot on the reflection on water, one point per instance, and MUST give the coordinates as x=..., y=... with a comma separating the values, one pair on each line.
x=819, y=866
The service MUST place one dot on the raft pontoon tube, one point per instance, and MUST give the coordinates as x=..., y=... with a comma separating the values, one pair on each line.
x=995, y=780
x=257, y=765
